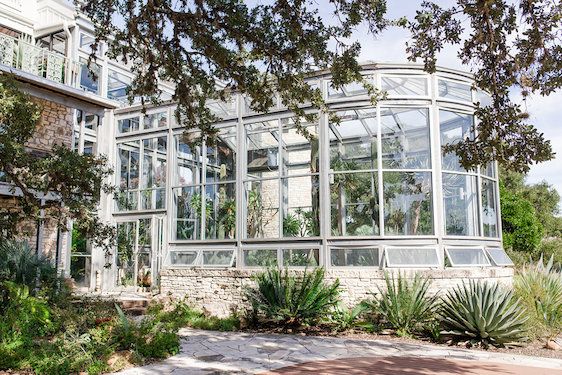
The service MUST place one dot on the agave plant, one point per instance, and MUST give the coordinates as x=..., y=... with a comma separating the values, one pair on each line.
x=406, y=305
x=293, y=300
x=540, y=288
x=19, y=263
x=483, y=314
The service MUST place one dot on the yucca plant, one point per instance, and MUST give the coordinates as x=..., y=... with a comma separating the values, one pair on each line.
x=406, y=306
x=19, y=263
x=292, y=300
x=540, y=288
x=483, y=314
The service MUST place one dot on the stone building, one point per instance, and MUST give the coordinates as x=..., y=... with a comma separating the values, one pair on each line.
x=369, y=195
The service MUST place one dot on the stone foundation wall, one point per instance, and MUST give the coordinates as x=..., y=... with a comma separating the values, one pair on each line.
x=220, y=291
x=55, y=126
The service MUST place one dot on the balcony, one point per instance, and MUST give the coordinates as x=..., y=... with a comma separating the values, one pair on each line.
x=19, y=54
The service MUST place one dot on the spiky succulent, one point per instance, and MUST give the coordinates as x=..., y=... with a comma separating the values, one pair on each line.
x=484, y=314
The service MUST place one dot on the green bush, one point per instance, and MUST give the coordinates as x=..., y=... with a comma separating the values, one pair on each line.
x=20, y=264
x=550, y=248
x=483, y=314
x=292, y=300
x=344, y=318
x=540, y=289
x=405, y=306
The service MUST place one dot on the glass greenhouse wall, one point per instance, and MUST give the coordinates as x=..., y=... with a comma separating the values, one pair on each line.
x=374, y=190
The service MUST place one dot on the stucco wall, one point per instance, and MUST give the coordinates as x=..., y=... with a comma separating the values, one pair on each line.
x=220, y=291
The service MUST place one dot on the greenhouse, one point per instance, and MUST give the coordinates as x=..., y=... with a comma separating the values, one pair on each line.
x=370, y=190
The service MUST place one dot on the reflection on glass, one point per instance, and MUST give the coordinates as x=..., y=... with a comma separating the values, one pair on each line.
x=217, y=257
x=262, y=142
x=301, y=257
x=408, y=208
x=455, y=90
x=460, y=203
x=354, y=204
x=89, y=76
x=188, y=163
x=354, y=257
x=117, y=85
x=126, y=242
x=489, y=208
x=353, y=143
x=467, y=257
x=221, y=157
x=260, y=257
x=183, y=258
x=405, y=138
x=411, y=256
x=156, y=120
x=454, y=127
x=301, y=199
x=153, y=186
x=262, y=209
x=128, y=125
x=404, y=86
x=188, y=201
x=129, y=167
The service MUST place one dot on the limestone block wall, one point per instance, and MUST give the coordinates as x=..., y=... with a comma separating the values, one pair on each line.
x=220, y=291
x=55, y=126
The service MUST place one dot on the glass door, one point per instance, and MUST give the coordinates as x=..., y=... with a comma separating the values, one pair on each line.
x=134, y=254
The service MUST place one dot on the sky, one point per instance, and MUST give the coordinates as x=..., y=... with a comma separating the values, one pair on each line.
x=545, y=112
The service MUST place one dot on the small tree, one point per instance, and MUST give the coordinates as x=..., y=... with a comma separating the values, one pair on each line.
x=59, y=185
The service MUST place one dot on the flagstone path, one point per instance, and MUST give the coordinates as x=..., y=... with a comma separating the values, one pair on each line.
x=210, y=353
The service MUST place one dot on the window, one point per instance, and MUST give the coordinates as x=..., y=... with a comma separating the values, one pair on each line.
x=128, y=125
x=183, y=258
x=223, y=109
x=354, y=203
x=460, y=204
x=156, y=120
x=454, y=127
x=467, y=256
x=499, y=256
x=134, y=253
x=217, y=258
x=86, y=43
x=202, y=257
x=368, y=257
x=117, y=84
x=454, y=90
x=293, y=257
x=411, y=257
x=404, y=86
x=282, y=181
x=205, y=191
x=89, y=76
x=349, y=90
x=489, y=208
x=142, y=168
x=408, y=208
x=405, y=138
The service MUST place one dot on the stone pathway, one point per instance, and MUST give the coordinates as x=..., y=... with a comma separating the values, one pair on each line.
x=208, y=352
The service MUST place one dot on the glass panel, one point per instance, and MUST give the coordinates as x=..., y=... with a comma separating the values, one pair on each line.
x=262, y=205
x=221, y=157
x=156, y=120
x=405, y=138
x=262, y=140
x=129, y=167
x=217, y=257
x=86, y=42
x=301, y=197
x=351, y=89
x=188, y=213
x=220, y=215
x=223, y=109
x=411, y=257
x=353, y=143
x=405, y=85
x=489, y=170
x=153, y=193
x=407, y=203
x=454, y=127
x=128, y=125
x=489, y=208
x=188, y=163
x=455, y=90
x=467, y=257
x=499, y=256
x=300, y=153
x=354, y=257
x=186, y=257
x=354, y=204
x=90, y=81
x=91, y=121
x=260, y=257
x=80, y=270
x=144, y=270
x=301, y=257
x=117, y=85
x=460, y=202
x=126, y=238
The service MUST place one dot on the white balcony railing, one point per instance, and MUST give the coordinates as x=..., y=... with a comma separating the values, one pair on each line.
x=19, y=54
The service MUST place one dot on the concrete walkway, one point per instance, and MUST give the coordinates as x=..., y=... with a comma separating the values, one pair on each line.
x=208, y=352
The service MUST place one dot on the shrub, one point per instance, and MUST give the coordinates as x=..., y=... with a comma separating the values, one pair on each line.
x=406, y=306
x=483, y=314
x=20, y=264
x=292, y=300
x=540, y=289
x=345, y=318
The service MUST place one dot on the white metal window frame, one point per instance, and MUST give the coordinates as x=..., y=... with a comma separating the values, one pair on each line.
x=279, y=252
x=199, y=258
x=449, y=249
x=499, y=264
x=389, y=264
x=455, y=81
x=379, y=256
x=426, y=78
